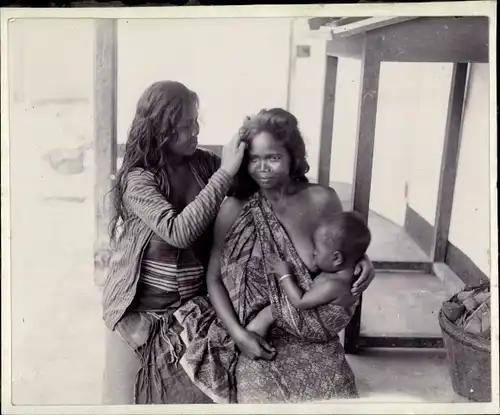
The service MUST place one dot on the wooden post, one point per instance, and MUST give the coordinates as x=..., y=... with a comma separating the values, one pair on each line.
x=325, y=146
x=449, y=161
x=291, y=64
x=105, y=140
x=367, y=115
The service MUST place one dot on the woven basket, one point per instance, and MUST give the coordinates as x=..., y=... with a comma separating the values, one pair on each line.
x=469, y=358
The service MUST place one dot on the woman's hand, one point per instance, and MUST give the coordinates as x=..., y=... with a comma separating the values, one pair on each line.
x=232, y=155
x=254, y=346
x=365, y=272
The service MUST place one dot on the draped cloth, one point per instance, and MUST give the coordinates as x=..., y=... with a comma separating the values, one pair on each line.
x=310, y=363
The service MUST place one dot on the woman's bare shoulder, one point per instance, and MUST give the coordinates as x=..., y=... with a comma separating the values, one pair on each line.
x=232, y=205
x=322, y=197
x=229, y=211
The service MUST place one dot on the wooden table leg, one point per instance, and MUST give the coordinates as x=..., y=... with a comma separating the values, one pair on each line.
x=325, y=145
x=367, y=114
x=449, y=162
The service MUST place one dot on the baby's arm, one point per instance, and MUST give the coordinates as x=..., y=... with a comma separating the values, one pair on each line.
x=261, y=322
x=326, y=288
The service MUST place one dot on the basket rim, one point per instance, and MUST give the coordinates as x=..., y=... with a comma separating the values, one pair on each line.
x=460, y=335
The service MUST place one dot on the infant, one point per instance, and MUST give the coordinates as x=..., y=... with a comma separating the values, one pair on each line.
x=340, y=242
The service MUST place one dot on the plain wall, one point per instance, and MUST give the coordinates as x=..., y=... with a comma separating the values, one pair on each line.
x=470, y=215
x=57, y=329
x=306, y=91
x=248, y=73
x=409, y=139
x=409, y=132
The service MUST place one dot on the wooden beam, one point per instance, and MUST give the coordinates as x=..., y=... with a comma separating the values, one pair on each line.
x=449, y=161
x=351, y=47
x=401, y=342
x=348, y=28
x=105, y=71
x=436, y=39
x=351, y=337
x=326, y=137
x=316, y=22
x=291, y=63
x=367, y=115
x=415, y=266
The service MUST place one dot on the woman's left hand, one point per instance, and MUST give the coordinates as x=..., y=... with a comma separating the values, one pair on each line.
x=365, y=272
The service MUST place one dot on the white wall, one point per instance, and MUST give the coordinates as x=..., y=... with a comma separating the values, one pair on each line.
x=237, y=67
x=432, y=84
x=56, y=315
x=345, y=120
x=409, y=138
x=306, y=103
x=306, y=91
x=409, y=131
x=470, y=219
x=52, y=90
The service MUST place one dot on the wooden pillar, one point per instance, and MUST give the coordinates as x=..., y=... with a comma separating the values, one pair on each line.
x=105, y=140
x=367, y=115
x=449, y=161
x=326, y=137
x=291, y=64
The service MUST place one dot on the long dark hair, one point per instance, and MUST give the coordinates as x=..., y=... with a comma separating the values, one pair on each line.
x=283, y=126
x=160, y=110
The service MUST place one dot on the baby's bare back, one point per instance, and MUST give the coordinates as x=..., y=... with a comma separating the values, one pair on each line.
x=340, y=283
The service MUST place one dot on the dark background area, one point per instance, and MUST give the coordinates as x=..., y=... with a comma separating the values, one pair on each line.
x=139, y=3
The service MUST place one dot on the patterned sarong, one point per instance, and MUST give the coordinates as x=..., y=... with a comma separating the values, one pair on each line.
x=310, y=364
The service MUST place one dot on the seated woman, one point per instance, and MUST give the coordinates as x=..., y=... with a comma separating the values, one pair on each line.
x=167, y=195
x=273, y=212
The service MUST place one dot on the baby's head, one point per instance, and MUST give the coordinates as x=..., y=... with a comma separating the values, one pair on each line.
x=340, y=241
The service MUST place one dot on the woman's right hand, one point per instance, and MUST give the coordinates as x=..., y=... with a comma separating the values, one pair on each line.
x=254, y=346
x=232, y=155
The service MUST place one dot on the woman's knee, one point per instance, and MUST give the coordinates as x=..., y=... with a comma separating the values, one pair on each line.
x=121, y=367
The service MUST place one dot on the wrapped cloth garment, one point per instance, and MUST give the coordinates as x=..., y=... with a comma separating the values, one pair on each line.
x=310, y=363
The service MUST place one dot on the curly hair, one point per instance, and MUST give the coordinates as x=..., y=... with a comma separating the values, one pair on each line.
x=160, y=110
x=283, y=126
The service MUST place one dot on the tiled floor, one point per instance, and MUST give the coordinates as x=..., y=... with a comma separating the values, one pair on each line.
x=398, y=375
x=403, y=304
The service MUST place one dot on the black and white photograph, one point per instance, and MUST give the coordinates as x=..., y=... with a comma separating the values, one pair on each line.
x=250, y=209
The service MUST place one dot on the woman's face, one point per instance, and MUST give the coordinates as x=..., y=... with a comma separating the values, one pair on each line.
x=186, y=140
x=268, y=161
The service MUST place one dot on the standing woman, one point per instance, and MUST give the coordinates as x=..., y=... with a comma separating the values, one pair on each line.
x=167, y=195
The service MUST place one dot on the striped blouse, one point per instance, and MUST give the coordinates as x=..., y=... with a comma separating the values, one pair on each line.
x=151, y=214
